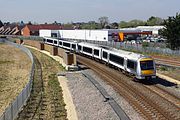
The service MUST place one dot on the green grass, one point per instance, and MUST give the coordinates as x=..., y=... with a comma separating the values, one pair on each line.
x=52, y=106
x=163, y=68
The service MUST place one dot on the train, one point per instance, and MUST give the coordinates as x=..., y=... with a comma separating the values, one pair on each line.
x=138, y=65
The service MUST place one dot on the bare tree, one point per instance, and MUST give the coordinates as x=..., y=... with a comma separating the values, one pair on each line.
x=103, y=21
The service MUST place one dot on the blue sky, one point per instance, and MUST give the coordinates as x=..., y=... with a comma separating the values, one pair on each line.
x=85, y=10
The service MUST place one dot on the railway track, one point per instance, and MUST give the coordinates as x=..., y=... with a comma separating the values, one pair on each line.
x=166, y=95
x=148, y=101
x=168, y=62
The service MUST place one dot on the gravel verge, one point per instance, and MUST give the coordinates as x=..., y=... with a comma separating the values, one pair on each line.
x=90, y=104
x=88, y=101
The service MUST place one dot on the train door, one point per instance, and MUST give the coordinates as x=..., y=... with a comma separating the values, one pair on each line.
x=108, y=55
x=125, y=63
x=105, y=55
x=93, y=52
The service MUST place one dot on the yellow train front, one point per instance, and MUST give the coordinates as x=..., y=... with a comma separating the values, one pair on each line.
x=146, y=68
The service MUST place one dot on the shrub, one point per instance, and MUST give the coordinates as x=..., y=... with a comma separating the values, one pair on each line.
x=163, y=68
x=145, y=44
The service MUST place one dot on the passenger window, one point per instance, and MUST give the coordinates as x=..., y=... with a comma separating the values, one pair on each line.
x=117, y=59
x=96, y=52
x=73, y=46
x=66, y=44
x=88, y=50
x=131, y=64
x=105, y=55
x=79, y=47
x=49, y=41
x=55, y=42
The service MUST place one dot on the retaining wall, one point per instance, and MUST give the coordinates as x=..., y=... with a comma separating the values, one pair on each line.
x=68, y=58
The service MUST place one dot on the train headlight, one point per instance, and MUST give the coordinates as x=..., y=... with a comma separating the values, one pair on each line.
x=147, y=72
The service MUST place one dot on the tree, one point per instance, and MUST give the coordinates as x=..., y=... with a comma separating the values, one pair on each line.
x=7, y=23
x=68, y=25
x=123, y=24
x=172, y=32
x=107, y=27
x=21, y=23
x=55, y=23
x=135, y=23
x=115, y=25
x=1, y=24
x=29, y=23
x=154, y=21
x=90, y=25
x=103, y=21
x=132, y=23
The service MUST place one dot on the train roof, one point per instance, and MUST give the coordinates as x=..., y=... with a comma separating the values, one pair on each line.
x=68, y=41
x=88, y=44
x=129, y=55
x=50, y=38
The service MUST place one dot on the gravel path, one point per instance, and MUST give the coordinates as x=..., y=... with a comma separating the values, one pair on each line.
x=90, y=104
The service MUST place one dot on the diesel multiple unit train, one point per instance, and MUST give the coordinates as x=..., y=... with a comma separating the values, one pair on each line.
x=141, y=66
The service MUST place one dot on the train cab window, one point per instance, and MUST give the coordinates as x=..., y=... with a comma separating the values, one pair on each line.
x=66, y=44
x=88, y=50
x=96, y=52
x=49, y=41
x=117, y=59
x=55, y=42
x=147, y=65
x=60, y=43
x=105, y=55
x=131, y=64
x=73, y=46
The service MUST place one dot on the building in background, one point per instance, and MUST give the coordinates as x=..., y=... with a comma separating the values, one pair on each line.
x=33, y=30
x=11, y=29
x=153, y=29
x=92, y=35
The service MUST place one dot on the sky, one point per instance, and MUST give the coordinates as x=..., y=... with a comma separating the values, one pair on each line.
x=64, y=11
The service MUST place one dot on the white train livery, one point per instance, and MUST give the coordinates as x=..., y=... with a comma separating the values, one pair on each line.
x=141, y=66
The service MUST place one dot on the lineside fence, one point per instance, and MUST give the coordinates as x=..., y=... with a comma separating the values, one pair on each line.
x=37, y=38
x=152, y=48
x=15, y=107
x=1, y=40
x=136, y=47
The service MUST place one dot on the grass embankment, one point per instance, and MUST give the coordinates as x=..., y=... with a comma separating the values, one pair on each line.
x=170, y=72
x=15, y=67
x=46, y=101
